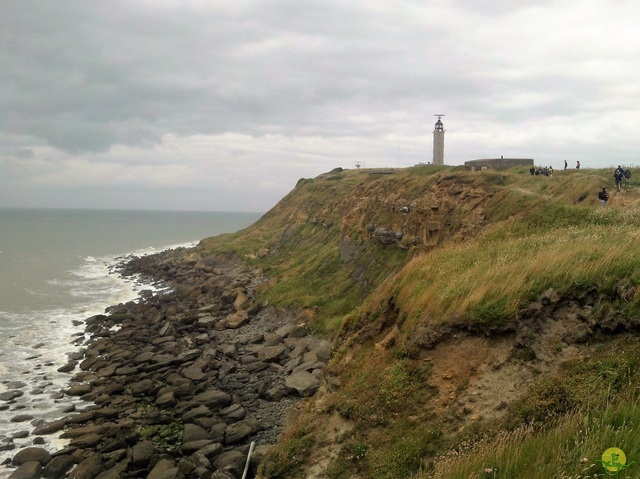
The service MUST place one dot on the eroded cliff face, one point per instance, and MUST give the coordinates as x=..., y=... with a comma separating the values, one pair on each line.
x=462, y=379
x=397, y=208
x=376, y=220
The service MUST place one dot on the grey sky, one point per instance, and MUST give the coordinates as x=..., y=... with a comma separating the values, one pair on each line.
x=224, y=105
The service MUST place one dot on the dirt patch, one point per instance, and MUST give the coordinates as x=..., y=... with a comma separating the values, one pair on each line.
x=331, y=440
x=479, y=376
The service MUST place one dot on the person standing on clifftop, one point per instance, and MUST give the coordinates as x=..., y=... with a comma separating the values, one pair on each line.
x=617, y=176
x=577, y=165
x=565, y=165
x=603, y=196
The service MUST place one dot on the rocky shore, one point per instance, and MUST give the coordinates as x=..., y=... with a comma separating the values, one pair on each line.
x=180, y=383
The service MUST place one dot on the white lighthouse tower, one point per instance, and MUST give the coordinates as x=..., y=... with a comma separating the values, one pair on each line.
x=438, y=142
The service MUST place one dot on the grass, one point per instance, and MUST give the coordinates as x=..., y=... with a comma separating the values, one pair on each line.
x=484, y=283
x=503, y=239
x=571, y=449
x=561, y=427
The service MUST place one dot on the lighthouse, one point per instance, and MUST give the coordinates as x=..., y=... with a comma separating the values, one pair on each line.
x=438, y=141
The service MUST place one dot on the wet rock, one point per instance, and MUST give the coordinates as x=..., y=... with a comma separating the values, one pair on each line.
x=28, y=470
x=10, y=395
x=16, y=385
x=88, y=468
x=22, y=418
x=86, y=441
x=58, y=466
x=78, y=390
x=67, y=368
x=31, y=454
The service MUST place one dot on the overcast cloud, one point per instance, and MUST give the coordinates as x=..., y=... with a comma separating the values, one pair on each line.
x=224, y=105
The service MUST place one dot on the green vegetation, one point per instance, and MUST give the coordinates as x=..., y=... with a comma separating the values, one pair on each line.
x=474, y=250
x=562, y=427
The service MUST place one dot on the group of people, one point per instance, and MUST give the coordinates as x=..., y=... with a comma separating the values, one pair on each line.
x=541, y=170
x=567, y=166
x=619, y=175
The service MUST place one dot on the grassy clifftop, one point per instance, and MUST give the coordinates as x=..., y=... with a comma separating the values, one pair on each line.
x=484, y=322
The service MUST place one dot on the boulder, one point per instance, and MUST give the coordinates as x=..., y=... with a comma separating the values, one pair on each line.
x=241, y=302
x=28, y=470
x=58, y=466
x=231, y=461
x=271, y=354
x=31, y=454
x=86, y=441
x=166, y=400
x=10, y=395
x=165, y=469
x=305, y=383
x=193, y=432
x=239, y=431
x=89, y=468
x=237, y=319
x=142, y=453
x=213, y=399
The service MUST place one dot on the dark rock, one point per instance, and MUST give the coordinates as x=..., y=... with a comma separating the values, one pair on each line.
x=231, y=461
x=67, y=368
x=142, y=388
x=78, y=390
x=16, y=385
x=28, y=470
x=31, y=454
x=22, y=418
x=239, y=431
x=165, y=469
x=193, y=432
x=166, y=400
x=86, y=441
x=200, y=411
x=10, y=395
x=213, y=399
x=210, y=451
x=7, y=445
x=193, y=446
x=88, y=468
x=234, y=412
x=142, y=453
x=58, y=466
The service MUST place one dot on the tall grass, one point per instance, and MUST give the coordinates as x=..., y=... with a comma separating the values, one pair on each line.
x=569, y=449
x=503, y=271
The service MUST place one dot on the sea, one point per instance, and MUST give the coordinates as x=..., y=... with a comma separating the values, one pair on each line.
x=56, y=270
